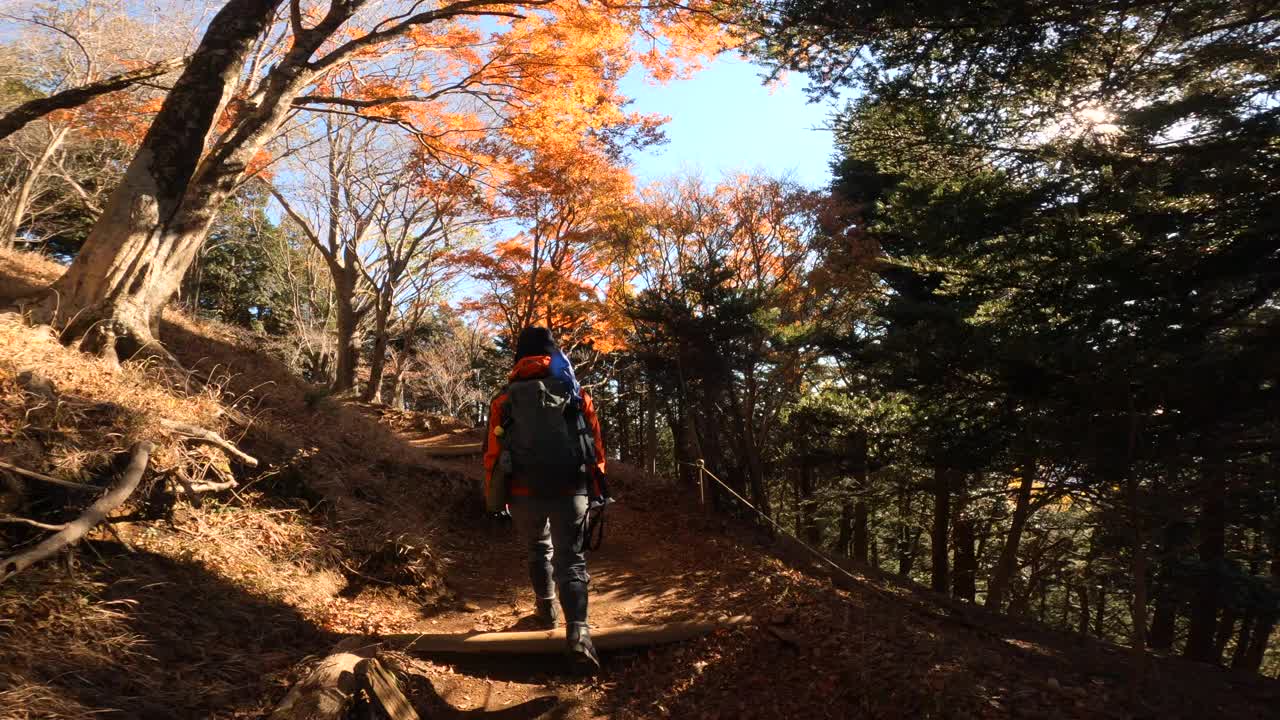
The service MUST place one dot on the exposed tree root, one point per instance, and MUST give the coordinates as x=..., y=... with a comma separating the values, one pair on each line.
x=115, y=334
x=73, y=531
x=328, y=691
x=45, y=478
x=349, y=682
x=209, y=437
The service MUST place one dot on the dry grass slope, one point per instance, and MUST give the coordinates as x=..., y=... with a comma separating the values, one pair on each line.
x=197, y=611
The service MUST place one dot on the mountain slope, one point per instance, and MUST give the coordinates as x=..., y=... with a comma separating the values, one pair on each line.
x=351, y=525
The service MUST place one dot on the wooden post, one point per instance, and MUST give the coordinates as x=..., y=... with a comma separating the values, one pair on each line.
x=702, y=482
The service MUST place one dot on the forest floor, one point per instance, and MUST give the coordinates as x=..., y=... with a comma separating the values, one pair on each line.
x=353, y=526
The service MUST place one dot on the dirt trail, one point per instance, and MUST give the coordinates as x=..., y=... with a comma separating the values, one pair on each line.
x=644, y=572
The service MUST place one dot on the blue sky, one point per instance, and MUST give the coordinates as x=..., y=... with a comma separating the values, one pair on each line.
x=725, y=118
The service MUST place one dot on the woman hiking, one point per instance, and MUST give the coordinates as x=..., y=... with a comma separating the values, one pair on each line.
x=545, y=444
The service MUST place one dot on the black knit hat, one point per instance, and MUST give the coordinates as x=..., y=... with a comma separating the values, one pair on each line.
x=535, y=341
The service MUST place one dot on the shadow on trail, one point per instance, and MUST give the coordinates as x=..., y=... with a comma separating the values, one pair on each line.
x=430, y=704
x=198, y=646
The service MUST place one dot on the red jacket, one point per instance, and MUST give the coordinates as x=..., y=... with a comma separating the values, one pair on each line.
x=536, y=366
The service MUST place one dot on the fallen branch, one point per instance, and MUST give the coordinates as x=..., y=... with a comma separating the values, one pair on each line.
x=553, y=641
x=188, y=488
x=46, y=478
x=209, y=437
x=73, y=531
x=33, y=523
x=205, y=487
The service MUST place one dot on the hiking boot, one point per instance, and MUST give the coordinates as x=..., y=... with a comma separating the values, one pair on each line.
x=582, y=654
x=547, y=613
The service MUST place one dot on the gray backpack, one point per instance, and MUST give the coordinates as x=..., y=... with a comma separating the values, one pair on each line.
x=540, y=432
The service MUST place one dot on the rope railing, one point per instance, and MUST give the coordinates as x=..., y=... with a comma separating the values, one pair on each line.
x=703, y=472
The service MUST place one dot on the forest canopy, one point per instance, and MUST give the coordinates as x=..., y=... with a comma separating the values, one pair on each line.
x=1021, y=348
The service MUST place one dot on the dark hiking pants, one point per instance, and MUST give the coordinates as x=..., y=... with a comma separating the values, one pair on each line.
x=551, y=528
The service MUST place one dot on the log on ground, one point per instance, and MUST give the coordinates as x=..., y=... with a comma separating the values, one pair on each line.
x=539, y=642
x=452, y=450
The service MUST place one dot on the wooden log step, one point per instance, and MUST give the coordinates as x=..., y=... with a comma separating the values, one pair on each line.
x=539, y=642
x=451, y=450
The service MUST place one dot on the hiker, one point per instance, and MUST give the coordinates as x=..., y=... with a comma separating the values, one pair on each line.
x=545, y=450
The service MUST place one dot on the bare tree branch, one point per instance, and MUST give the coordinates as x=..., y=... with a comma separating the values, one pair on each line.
x=209, y=437
x=19, y=117
x=33, y=523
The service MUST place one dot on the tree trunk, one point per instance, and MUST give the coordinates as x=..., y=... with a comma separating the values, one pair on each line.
x=1022, y=592
x=681, y=445
x=941, y=528
x=1100, y=616
x=1260, y=638
x=650, y=426
x=861, y=531
x=16, y=209
x=1044, y=600
x=1222, y=636
x=844, y=532
x=710, y=441
x=1242, y=639
x=378, y=360
x=1138, y=561
x=154, y=222
x=1008, y=561
x=1163, y=622
x=797, y=502
x=1083, y=626
x=907, y=541
x=622, y=413
x=1066, y=604
x=755, y=467
x=808, y=520
x=966, y=561
x=349, y=317
x=397, y=388
x=1265, y=625
x=1207, y=598
x=1168, y=593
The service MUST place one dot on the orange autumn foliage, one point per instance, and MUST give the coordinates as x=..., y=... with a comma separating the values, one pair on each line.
x=556, y=270
x=551, y=137
x=757, y=228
